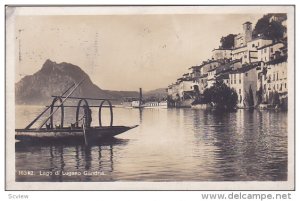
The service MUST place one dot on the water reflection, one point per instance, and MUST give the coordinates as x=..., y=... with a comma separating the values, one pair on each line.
x=171, y=145
x=59, y=159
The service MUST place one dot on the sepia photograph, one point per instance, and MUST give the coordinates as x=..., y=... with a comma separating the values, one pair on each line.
x=150, y=97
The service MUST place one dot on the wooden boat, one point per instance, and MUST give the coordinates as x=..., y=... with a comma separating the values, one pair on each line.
x=92, y=134
x=74, y=132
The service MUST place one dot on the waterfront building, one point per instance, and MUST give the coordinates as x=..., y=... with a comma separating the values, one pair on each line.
x=185, y=88
x=203, y=84
x=276, y=78
x=172, y=90
x=211, y=79
x=255, y=68
x=224, y=78
x=243, y=81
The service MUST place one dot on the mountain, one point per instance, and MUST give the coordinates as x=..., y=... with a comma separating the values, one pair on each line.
x=54, y=79
x=158, y=93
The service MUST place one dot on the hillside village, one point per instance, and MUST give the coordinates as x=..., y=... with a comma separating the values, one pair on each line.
x=254, y=65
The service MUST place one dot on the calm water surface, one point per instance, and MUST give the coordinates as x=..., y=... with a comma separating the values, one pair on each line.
x=168, y=145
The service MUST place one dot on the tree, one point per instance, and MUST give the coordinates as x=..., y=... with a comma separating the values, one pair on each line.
x=222, y=97
x=273, y=30
x=261, y=26
x=227, y=42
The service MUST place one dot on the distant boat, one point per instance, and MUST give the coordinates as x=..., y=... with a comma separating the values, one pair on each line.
x=134, y=102
x=129, y=102
x=74, y=132
x=156, y=105
x=146, y=105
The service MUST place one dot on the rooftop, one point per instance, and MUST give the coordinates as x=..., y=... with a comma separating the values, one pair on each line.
x=193, y=67
x=211, y=70
x=221, y=49
x=223, y=76
x=262, y=37
x=269, y=45
x=239, y=47
x=278, y=60
x=227, y=66
x=209, y=62
x=203, y=76
x=245, y=68
x=247, y=22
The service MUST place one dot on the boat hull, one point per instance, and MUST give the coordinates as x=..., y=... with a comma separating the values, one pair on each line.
x=68, y=134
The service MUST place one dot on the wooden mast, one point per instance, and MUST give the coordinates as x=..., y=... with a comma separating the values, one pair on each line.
x=29, y=125
x=44, y=122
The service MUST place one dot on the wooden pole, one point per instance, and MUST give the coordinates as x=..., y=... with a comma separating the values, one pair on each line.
x=84, y=134
x=73, y=97
x=43, y=123
x=141, y=98
x=29, y=125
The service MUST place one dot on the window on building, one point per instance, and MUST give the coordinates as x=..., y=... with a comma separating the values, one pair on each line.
x=274, y=77
x=240, y=81
x=271, y=50
x=265, y=50
x=277, y=75
x=240, y=91
x=285, y=85
x=253, y=45
x=258, y=44
x=246, y=74
x=245, y=56
x=234, y=81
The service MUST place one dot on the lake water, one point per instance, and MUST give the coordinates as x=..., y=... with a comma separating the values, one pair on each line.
x=168, y=145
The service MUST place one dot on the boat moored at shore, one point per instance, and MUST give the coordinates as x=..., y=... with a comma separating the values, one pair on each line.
x=75, y=132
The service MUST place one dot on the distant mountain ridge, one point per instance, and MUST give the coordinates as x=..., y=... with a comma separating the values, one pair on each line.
x=158, y=93
x=54, y=79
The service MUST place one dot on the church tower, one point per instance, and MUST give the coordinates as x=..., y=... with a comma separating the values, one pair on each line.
x=247, y=27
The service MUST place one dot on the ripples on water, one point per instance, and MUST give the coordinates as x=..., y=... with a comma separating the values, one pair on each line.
x=168, y=145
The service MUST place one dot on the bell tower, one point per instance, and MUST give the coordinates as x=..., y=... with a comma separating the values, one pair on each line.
x=247, y=27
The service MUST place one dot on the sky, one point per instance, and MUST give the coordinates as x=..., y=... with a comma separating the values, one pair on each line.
x=123, y=52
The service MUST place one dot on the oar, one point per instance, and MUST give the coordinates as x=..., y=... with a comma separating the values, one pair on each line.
x=43, y=123
x=29, y=125
x=84, y=134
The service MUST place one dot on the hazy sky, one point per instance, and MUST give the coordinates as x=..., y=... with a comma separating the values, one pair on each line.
x=124, y=52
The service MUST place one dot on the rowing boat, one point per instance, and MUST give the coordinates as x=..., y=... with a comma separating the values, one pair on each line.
x=93, y=134
x=74, y=132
